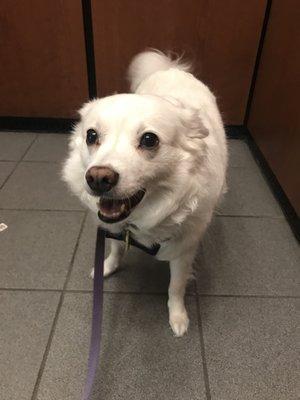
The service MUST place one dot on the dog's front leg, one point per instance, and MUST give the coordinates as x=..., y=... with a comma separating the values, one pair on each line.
x=112, y=262
x=180, y=270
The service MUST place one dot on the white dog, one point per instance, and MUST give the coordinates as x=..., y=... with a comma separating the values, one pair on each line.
x=152, y=163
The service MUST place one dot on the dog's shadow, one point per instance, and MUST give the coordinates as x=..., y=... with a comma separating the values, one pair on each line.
x=139, y=273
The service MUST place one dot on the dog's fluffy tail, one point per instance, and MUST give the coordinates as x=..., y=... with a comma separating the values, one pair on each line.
x=148, y=62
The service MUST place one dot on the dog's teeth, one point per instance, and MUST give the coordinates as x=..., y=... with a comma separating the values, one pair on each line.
x=122, y=207
x=111, y=215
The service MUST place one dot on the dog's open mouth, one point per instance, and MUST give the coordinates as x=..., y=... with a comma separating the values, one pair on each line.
x=114, y=210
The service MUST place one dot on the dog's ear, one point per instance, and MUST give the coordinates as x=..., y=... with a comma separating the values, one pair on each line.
x=190, y=119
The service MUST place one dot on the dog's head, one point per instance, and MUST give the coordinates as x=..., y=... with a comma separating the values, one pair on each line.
x=128, y=147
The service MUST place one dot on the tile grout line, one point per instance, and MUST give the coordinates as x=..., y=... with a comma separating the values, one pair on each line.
x=89, y=291
x=74, y=252
x=279, y=217
x=28, y=148
x=47, y=349
x=200, y=329
x=42, y=210
x=34, y=161
x=16, y=289
x=250, y=296
x=58, y=309
x=86, y=291
x=276, y=217
x=19, y=161
x=203, y=353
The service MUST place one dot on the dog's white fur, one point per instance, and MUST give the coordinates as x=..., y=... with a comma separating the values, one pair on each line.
x=184, y=179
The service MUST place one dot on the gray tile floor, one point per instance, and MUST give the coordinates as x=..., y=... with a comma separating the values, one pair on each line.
x=243, y=304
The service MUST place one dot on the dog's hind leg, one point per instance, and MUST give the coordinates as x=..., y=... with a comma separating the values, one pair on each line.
x=112, y=262
x=180, y=270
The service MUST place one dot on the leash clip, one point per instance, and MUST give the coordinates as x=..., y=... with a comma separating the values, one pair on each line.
x=127, y=240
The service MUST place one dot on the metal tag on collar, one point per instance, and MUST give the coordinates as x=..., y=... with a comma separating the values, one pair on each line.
x=127, y=240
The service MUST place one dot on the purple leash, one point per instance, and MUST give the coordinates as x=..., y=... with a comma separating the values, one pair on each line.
x=98, y=303
x=97, y=315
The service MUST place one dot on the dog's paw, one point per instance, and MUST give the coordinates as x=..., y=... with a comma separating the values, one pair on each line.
x=109, y=268
x=110, y=265
x=179, y=323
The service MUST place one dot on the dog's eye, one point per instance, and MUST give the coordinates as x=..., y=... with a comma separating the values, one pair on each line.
x=91, y=136
x=149, y=140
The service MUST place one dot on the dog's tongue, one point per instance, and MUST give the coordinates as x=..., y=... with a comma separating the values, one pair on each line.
x=111, y=207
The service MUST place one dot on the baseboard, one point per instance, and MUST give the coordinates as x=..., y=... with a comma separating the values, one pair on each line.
x=31, y=124
x=236, y=131
x=48, y=125
x=285, y=204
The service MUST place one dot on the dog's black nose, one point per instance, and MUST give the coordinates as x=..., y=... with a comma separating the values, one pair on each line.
x=101, y=179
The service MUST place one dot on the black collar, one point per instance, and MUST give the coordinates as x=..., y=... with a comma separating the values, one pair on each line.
x=126, y=237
